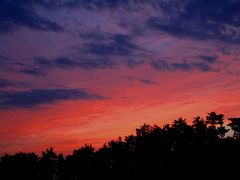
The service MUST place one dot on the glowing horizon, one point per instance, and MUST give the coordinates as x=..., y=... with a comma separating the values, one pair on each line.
x=75, y=73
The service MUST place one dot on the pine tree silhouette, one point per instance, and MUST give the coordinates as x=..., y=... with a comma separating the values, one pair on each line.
x=177, y=150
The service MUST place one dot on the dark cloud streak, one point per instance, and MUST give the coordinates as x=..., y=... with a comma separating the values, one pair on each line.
x=35, y=97
x=5, y=83
x=162, y=65
x=84, y=63
x=200, y=19
x=209, y=59
x=117, y=44
x=33, y=71
x=15, y=14
x=147, y=81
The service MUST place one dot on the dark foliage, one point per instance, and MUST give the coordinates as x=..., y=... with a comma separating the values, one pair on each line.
x=179, y=150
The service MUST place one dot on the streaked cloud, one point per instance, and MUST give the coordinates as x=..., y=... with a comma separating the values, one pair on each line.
x=32, y=71
x=147, y=81
x=163, y=65
x=4, y=83
x=85, y=63
x=157, y=60
x=15, y=14
x=200, y=19
x=30, y=99
x=209, y=59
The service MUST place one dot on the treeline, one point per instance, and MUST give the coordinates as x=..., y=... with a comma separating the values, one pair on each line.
x=197, y=150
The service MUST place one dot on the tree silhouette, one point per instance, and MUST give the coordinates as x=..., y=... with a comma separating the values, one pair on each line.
x=48, y=165
x=80, y=164
x=175, y=150
x=215, y=122
x=19, y=166
x=235, y=126
x=61, y=173
x=200, y=130
x=214, y=119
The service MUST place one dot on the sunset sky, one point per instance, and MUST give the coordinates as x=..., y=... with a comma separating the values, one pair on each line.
x=87, y=71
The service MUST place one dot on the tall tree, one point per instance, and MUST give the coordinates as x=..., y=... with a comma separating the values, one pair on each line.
x=200, y=129
x=48, y=165
x=216, y=125
x=80, y=164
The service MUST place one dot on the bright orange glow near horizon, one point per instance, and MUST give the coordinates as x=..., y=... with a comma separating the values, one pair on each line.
x=74, y=76
x=71, y=124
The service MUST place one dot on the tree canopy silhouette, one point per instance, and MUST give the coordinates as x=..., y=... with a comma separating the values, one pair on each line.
x=235, y=125
x=173, y=150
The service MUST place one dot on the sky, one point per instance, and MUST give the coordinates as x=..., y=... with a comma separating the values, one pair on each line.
x=75, y=72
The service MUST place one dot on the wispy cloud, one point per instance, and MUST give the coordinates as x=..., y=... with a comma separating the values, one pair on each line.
x=209, y=59
x=4, y=83
x=202, y=20
x=163, y=65
x=15, y=14
x=117, y=44
x=30, y=99
x=84, y=63
x=147, y=81
x=32, y=71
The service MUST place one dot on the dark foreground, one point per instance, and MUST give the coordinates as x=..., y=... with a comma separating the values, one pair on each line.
x=179, y=150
